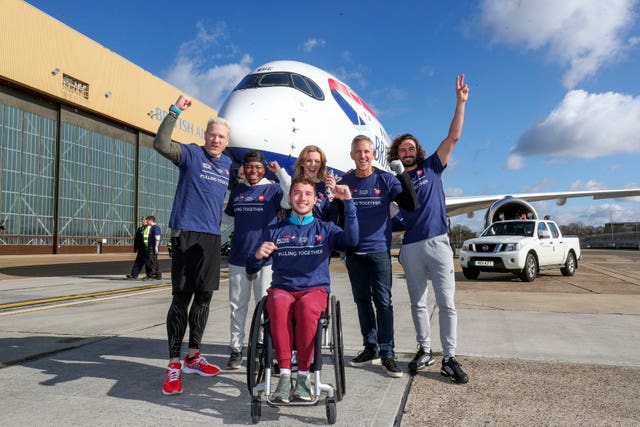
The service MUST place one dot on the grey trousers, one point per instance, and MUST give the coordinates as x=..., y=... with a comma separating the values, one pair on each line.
x=424, y=261
x=240, y=287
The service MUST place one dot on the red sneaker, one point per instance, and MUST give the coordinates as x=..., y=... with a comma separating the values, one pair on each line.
x=199, y=365
x=173, y=380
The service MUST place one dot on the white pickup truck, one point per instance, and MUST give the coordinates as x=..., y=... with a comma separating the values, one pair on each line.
x=521, y=247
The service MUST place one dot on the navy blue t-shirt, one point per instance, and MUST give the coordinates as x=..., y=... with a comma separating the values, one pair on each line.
x=302, y=259
x=199, y=197
x=372, y=196
x=254, y=208
x=429, y=219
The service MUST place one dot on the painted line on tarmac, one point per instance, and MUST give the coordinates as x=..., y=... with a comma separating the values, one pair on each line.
x=624, y=276
x=84, y=301
x=81, y=296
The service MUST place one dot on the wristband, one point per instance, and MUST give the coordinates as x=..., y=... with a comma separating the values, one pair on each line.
x=175, y=109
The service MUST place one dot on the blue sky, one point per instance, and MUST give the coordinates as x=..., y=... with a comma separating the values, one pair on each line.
x=554, y=99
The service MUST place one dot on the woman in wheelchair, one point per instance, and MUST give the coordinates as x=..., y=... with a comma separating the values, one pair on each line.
x=300, y=247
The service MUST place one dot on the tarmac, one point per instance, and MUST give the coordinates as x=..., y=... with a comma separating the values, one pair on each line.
x=559, y=351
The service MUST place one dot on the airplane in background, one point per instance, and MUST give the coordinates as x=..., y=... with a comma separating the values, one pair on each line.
x=283, y=106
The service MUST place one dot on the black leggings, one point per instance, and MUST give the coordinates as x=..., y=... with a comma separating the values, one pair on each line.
x=177, y=319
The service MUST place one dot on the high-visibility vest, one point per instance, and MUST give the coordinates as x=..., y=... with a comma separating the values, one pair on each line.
x=145, y=236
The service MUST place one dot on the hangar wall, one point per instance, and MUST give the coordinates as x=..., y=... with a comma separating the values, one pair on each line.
x=76, y=129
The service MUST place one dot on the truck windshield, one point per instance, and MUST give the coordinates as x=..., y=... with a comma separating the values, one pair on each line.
x=510, y=228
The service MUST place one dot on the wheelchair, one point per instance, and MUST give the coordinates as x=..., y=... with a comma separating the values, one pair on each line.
x=261, y=364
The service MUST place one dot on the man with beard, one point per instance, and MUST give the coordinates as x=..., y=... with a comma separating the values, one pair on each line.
x=426, y=252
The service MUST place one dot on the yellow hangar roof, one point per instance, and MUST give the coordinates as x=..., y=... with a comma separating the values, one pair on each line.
x=47, y=56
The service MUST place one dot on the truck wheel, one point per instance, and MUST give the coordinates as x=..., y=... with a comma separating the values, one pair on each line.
x=530, y=269
x=470, y=273
x=569, y=266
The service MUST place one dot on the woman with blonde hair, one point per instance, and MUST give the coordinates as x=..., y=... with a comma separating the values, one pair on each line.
x=311, y=164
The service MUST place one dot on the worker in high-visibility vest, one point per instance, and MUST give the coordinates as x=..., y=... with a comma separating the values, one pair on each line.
x=153, y=237
x=140, y=247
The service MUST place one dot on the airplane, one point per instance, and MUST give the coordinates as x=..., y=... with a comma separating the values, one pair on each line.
x=283, y=106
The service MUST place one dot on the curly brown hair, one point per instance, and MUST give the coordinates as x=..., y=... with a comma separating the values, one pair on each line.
x=392, y=154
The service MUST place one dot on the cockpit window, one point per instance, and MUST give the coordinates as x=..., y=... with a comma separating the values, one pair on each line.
x=317, y=92
x=275, y=79
x=300, y=83
x=247, y=82
x=296, y=81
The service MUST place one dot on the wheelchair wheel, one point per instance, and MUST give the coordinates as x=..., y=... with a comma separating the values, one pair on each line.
x=337, y=348
x=332, y=411
x=341, y=348
x=255, y=350
x=255, y=410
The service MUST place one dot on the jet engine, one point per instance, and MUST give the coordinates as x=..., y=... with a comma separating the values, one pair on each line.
x=509, y=208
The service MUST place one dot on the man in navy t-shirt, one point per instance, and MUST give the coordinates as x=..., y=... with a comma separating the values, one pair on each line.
x=369, y=264
x=195, y=238
x=426, y=252
x=300, y=247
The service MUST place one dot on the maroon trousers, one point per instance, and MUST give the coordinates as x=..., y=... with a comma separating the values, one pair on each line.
x=304, y=306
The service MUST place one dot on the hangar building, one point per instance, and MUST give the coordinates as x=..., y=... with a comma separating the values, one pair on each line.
x=77, y=123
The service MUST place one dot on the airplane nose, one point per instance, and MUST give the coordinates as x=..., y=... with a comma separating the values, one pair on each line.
x=245, y=117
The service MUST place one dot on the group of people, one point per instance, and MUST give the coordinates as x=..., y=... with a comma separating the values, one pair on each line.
x=287, y=256
x=146, y=244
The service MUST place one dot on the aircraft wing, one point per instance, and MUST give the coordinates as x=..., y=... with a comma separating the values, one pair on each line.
x=468, y=205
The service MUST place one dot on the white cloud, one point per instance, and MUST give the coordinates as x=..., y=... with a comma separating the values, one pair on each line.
x=583, y=126
x=209, y=85
x=352, y=76
x=388, y=101
x=195, y=72
x=454, y=192
x=596, y=214
x=591, y=185
x=312, y=43
x=481, y=149
x=429, y=70
x=392, y=94
x=204, y=38
x=514, y=162
x=544, y=184
x=581, y=35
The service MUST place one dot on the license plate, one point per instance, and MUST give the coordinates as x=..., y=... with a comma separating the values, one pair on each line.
x=483, y=263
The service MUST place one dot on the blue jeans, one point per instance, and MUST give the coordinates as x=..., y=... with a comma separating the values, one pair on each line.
x=370, y=276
